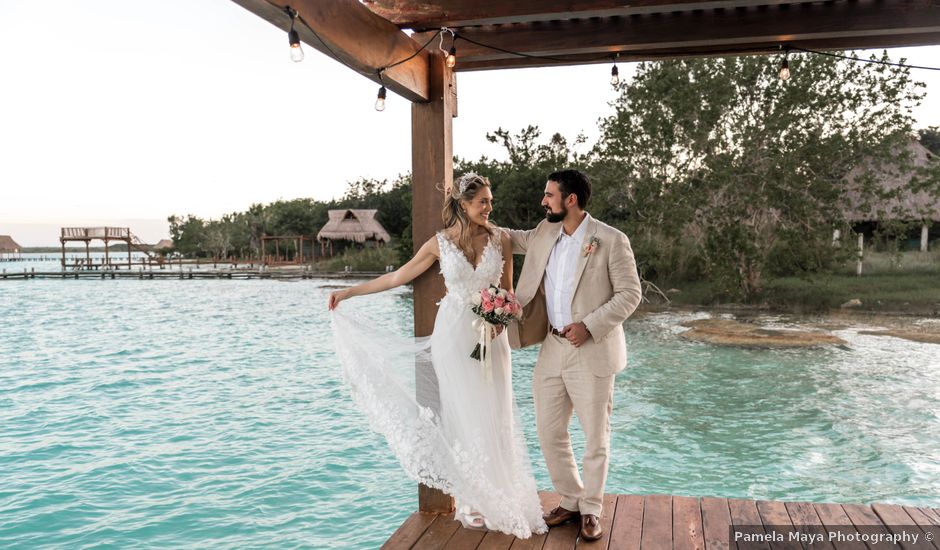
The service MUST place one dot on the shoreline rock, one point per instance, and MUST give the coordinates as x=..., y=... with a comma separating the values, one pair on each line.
x=733, y=333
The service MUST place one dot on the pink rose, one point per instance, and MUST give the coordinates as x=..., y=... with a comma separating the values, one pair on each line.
x=488, y=307
x=499, y=301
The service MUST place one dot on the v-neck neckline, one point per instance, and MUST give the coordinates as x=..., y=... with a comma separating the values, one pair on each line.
x=486, y=249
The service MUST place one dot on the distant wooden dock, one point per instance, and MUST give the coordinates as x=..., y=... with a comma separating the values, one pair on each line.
x=184, y=274
x=664, y=522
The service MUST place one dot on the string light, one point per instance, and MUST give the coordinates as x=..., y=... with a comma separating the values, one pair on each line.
x=451, y=57
x=615, y=73
x=296, y=52
x=785, y=66
x=380, y=99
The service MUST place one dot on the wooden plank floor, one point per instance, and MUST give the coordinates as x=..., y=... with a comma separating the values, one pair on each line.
x=663, y=522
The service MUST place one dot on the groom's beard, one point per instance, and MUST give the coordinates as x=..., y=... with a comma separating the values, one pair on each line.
x=555, y=217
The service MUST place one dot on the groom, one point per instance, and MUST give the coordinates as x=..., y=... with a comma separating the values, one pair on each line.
x=578, y=285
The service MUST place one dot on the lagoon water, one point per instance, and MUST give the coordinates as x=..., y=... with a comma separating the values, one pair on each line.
x=197, y=414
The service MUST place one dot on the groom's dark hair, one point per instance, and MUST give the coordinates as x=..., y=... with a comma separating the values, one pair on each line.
x=573, y=181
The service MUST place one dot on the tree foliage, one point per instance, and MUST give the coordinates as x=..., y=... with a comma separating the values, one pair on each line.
x=930, y=138
x=722, y=157
x=239, y=234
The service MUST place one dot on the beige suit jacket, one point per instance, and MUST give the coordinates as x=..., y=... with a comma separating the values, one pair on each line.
x=607, y=291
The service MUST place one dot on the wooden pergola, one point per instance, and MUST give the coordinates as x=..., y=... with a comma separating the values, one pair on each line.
x=106, y=234
x=296, y=242
x=370, y=35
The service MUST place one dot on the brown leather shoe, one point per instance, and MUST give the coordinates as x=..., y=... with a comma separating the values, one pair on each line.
x=559, y=516
x=591, y=527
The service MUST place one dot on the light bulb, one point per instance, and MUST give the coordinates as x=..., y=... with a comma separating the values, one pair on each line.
x=451, y=57
x=785, y=70
x=614, y=76
x=380, y=100
x=296, y=52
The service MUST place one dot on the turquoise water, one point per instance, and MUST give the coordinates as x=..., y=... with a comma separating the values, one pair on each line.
x=204, y=414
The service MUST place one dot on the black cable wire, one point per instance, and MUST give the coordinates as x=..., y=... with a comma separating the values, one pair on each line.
x=325, y=45
x=530, y=56
x=875, y=61
x=412, y=56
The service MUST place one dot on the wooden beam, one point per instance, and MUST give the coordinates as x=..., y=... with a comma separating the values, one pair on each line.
x=766, y=48
x=431, y=167
x=354, y=36
x=421, y=15
x=839, y=25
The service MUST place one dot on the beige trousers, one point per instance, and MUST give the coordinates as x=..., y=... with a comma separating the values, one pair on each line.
x=562, y=384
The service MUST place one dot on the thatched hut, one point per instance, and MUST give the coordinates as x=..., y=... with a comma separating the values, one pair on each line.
x=163, y=245
x=922, y=206
x=355, y=225
x=9, y=247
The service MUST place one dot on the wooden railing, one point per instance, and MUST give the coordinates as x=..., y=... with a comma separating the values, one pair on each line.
x=96, y=232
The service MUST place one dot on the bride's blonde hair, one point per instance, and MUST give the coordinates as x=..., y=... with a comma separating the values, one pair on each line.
x=465, y=188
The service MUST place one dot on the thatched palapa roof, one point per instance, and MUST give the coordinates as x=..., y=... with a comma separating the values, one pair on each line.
x=163, y=244
x=908, y=206
x=7, y=244
x=353, y=225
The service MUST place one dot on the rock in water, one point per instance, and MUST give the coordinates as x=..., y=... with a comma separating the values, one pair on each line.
x=733, y=333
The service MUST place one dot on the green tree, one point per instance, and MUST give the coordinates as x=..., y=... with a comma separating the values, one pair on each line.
x=930, y=138
x=188, y=234
x=722, y=157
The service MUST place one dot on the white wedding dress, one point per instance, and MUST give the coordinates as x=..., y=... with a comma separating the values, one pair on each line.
x=474, y=448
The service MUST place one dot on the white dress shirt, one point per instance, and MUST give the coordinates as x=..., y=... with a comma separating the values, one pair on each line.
x=559, y=274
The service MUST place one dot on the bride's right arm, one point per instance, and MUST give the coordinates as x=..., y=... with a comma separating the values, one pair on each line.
x=425, y=258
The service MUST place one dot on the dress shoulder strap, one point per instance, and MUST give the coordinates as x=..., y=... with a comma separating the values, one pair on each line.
x=497, y=238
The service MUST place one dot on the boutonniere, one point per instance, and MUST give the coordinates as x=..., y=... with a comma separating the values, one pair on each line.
x=590, y=247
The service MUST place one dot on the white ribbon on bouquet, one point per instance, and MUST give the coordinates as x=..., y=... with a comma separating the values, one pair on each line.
x=484, y=329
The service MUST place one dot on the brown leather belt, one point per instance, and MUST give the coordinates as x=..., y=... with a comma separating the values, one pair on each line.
x=556, y=333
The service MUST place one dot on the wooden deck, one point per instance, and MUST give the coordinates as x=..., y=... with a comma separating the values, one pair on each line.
x=663, y=522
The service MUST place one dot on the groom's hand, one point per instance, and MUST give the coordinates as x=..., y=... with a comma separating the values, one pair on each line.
x=576, y=333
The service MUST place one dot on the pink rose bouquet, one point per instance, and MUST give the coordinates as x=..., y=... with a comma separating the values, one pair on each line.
x=494, y=306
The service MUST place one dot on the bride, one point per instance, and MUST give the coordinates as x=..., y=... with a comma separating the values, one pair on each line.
x=473, y=448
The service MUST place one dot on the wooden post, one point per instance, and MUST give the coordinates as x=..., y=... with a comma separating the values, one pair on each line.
x=87, y=255
x=924, y=233
x=62, y=240
x=861, y=251
x=128, y=249
x=107, y=257
x=431, y=165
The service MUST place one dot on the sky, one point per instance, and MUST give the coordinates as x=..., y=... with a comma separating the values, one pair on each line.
x=117, y=112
